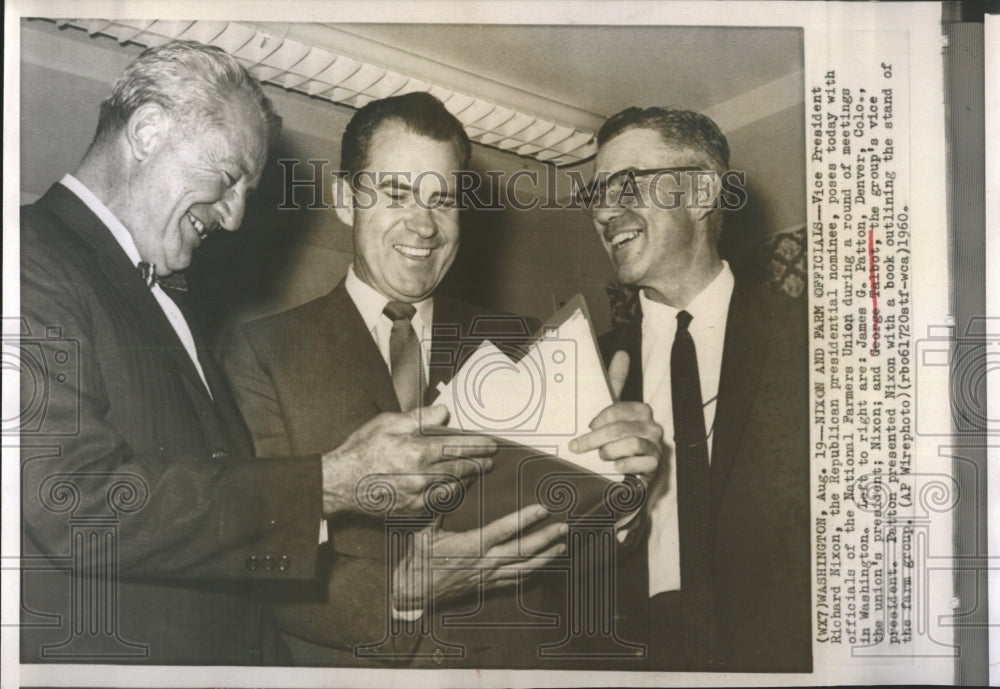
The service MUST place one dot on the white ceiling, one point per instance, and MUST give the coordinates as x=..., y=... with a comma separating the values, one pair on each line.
x=604, y=69
x=536, y=90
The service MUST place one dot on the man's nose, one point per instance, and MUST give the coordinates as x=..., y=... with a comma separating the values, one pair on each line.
x=605, y=212
x=421, y=221
x=230, y=209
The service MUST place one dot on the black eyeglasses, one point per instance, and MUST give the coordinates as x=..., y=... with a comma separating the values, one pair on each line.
x=624, y=186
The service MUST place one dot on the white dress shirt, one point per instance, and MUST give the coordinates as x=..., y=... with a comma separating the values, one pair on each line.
x=708, y=330
x=370, y=303
x=124, y=239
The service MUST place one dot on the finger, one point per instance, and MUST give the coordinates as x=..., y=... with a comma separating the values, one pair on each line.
x=643, y=465
x=465, y=446
x=457, y=548
x=463, y=469
x=623, y=448
x=444, y=492
x=545, y=556
x=530, y=545
x=614, y=432
x=485, y=465
x=434, y=415
x=506, y=527
x=623, y=411
x=501, y=577
x=417, y=545
x=618, y=373
x=509, y=574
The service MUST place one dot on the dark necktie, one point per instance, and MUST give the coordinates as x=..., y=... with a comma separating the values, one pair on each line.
x=404, y=354
x=175, y=281
x=693, y=499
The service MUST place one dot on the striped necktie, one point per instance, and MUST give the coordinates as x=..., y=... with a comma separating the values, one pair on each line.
x=404, y=354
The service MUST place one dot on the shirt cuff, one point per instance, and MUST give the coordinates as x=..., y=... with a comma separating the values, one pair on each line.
x=407, y=615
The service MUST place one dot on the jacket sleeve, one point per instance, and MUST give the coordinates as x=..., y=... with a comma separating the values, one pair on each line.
x=172, y=515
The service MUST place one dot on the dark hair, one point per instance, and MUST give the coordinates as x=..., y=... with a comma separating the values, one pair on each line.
x=683, y=129
x=196, y=84
x=418, y=112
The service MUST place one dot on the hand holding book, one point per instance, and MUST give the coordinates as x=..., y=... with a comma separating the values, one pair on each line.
x=539, y=408
x=624, y=432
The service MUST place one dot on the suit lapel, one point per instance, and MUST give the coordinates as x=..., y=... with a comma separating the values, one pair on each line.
x=122, y=276
x=352, y=345
x=225, y=407
x=743, y=353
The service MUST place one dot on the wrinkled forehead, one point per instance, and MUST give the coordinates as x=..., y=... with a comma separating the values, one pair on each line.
x=641, y=148
x=245, y=136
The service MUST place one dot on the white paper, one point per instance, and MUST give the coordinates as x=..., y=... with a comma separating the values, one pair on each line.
x=544, y=400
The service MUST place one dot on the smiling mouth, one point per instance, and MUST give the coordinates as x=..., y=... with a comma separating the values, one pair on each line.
x=623, y=238
x=413, y=252
x=198, y=225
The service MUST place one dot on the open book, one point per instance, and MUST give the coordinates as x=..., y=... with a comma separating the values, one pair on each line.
x=534, y=398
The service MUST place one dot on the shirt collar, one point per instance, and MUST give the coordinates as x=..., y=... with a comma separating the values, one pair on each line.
x=118, y=231
x=370, y=301
x=709, y=308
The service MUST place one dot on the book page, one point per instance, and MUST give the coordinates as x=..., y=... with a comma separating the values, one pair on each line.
x=543, y=400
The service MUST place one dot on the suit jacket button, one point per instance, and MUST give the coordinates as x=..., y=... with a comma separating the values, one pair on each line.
x=219, y=454
x=438, y=655
x=268, y=563
x=252, y=563
x=284, y=563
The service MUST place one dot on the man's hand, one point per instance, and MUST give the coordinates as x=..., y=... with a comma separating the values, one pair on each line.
x=392, y=445
x=625, y=432
x=491, y=557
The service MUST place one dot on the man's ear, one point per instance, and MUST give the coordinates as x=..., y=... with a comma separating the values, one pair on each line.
x=146, y=130
x=705, y=193
x=343, y=200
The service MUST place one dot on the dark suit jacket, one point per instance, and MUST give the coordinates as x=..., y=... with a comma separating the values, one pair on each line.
x=760, y=486
x=305, y=380
x=119, y=427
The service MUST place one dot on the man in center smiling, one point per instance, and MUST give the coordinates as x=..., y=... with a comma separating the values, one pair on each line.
x=402, y=256
x=311, y=376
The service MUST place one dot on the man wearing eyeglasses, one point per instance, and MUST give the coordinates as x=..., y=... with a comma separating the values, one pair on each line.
x=723, y=582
